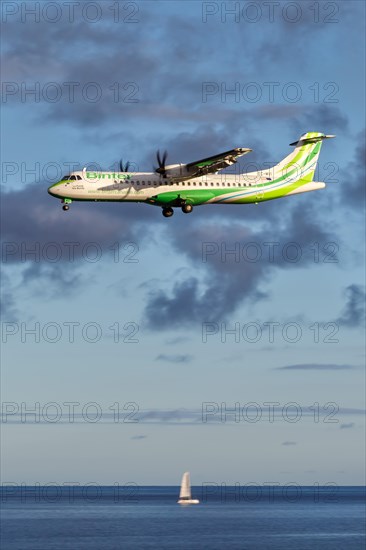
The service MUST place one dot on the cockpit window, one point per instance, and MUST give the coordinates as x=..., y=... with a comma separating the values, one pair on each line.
x=78, y=177
x=72, y=178
x=65, y=178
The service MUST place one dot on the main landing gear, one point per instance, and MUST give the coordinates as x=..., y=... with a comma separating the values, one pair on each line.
x=168, y=211
x=65, y=207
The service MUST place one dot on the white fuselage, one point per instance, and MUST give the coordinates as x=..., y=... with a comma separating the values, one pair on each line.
x=141, y=186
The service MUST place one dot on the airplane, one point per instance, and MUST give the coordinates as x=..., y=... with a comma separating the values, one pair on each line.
x=196, y=183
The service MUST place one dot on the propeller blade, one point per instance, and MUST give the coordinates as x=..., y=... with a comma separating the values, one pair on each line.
x=124, y=168
x=161, y=162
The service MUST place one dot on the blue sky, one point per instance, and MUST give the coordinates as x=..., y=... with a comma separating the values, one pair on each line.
x=307, y=71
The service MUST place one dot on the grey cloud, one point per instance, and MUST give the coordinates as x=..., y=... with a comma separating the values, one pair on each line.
x=177, y=340
x=188, y=305
x=303, y=117
x=174, y=358
x=353, y=177
x=147, y=55
x=224, y=285
x=347, y=426
x=353, y=314
x=31, y=220
x=65, y=53
x=138, y=437
x=322, y=117
x=292, y=19
x=61, y=277
x=174, y=417
x=8, y=309
x=317, y=366
x=48, y=41
x=289, y=443
x=43, y=222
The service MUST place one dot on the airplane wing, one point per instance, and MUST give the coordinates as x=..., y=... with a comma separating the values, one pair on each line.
x=210, y=165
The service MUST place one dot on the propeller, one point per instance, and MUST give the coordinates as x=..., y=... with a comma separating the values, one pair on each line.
x=125, y=167
x=161, y=162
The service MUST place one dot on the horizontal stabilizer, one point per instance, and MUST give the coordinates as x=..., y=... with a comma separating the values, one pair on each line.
x=313, y=139
x=311, y=186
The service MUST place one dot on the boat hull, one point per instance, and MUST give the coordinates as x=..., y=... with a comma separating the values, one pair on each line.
x=188, y=501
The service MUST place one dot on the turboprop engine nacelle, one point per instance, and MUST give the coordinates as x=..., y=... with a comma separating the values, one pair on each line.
x=184, y=171
x=179, y=171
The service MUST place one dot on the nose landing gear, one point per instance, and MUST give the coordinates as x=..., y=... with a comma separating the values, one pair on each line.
x=66, y=204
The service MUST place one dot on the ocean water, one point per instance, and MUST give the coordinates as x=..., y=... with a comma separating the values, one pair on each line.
x=135, y=517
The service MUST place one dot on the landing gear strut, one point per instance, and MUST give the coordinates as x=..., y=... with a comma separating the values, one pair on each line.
x=187, y=208
x=168, y=212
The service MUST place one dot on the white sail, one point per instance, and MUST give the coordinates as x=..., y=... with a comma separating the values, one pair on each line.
x=185, y=487
x=185, y=491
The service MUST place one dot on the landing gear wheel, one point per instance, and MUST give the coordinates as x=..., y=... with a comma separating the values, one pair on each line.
x=65, y=207
x=167, y=212
x=187, y=208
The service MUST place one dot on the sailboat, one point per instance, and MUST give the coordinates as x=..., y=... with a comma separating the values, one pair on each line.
x=185, y=496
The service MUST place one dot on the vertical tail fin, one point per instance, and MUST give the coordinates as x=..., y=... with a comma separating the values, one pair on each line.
x=302, y=162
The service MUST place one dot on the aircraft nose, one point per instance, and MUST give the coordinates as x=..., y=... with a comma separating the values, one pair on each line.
x=52, y=190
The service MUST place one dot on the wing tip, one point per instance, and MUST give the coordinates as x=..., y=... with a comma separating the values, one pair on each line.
x=244, y=150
